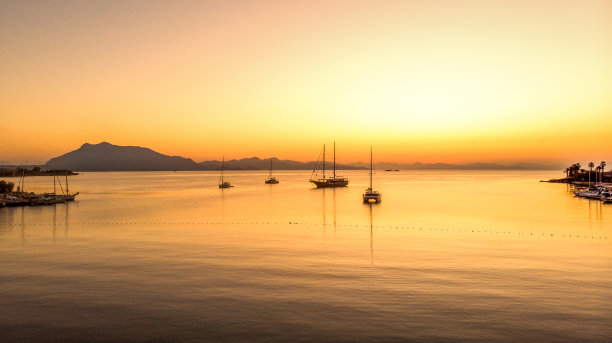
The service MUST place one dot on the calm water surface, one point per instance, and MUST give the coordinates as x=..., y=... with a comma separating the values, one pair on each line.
x=447, y=256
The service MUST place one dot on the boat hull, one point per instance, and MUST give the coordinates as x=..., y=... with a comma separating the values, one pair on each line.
x=375, y=199
x=372, y=197
x=330, y=183
x=225, y=185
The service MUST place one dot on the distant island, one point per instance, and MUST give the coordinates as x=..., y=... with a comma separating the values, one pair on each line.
x=109, y=157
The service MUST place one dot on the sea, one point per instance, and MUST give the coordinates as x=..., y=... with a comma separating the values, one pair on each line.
x=447, y=256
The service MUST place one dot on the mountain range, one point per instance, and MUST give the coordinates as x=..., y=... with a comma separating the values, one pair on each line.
x=108, y=157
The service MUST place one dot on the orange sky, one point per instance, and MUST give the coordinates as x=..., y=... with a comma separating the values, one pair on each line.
x=430, y=81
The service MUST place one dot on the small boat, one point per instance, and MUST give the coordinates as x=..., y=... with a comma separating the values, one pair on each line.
x=335, y=181
x=10, y=200
x=592, y=192
x=606, y=196
x=42, y=199
x=65, y=196
x=68, y=196
x=271, y=179
x=222, y=183
x=371, y=195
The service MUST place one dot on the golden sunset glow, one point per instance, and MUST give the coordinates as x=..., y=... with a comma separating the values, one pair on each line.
x=428, y=81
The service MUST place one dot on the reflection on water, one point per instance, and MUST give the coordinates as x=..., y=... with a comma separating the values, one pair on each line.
x=371, y=234
x=452, y=256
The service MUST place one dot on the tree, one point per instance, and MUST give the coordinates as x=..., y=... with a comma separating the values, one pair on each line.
x=602, y=165
x=6, y=187
x=597, y=170
x=591, y=165
x=573, y=170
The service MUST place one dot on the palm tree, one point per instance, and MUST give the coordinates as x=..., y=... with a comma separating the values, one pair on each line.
x=591, y=165
x=597, y=170
x=602, y=165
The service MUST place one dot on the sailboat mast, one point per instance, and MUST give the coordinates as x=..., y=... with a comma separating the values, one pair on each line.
x=323, y=160
x=270, y=168
x=67, y=191
x=334, y=159
x=54, y=192
x=371, y=167
x=222, y=164
x=23, y=181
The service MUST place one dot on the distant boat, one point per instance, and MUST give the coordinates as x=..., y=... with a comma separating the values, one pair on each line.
x=371, y=195
x=335, y=181
x=271, y=179
x=222, y=183
x=606, y=196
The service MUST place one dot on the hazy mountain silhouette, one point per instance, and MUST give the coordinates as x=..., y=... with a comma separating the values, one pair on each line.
x=109, y=157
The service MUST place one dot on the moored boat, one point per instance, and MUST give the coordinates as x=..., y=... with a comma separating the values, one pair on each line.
x=271, y=179
x=10, y=200
x=606, y=196
x=370, y=195
x=222, y=183
x=323, y=182
x=592, y=192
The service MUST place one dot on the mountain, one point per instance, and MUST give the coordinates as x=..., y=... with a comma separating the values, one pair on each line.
x=108, y=157
x=255, y=163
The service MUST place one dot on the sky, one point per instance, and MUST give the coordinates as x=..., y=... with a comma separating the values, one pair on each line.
x=421, y=81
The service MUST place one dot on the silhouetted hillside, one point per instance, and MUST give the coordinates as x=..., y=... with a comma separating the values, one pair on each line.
x=109, y=157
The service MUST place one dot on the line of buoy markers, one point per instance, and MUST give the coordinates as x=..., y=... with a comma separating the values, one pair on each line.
x=357, y=226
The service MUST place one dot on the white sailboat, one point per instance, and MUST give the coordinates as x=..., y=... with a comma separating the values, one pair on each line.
x=371, y=195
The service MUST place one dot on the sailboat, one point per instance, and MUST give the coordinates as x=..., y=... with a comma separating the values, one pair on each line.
x=271, y=179
x=223, y=184
x=65, y=196
x=371, y=195
x=335, y=181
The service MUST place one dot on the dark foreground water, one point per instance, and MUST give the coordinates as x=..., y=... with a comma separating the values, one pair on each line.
x=447, y=256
